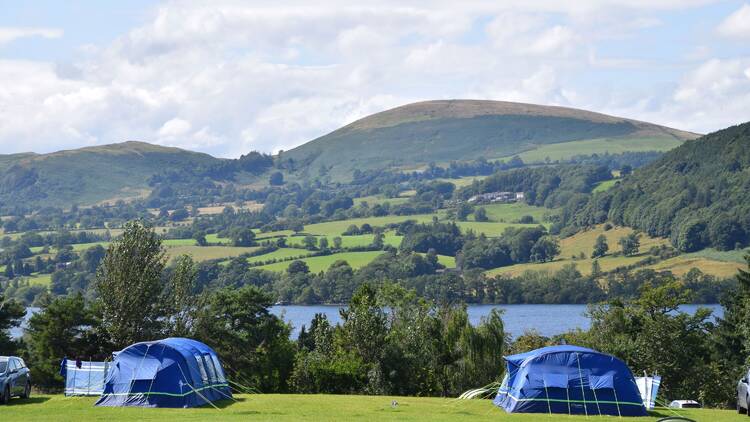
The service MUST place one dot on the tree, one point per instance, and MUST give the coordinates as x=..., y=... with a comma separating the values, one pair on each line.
x=253, y=343
x=180, y=295
x=323, y=244
x=11, y=315
x=200, y=238
x=128, y=285
x=480, y=214
x=298, y=267
x=65, y=327
x=337, y=242
x=276, y=179
x=630, y=244
x=310, y=242
x=545, y=249
x=600, y=247
x=463, y=211
x=378, y=241
x=596, y=269
x=244, y=236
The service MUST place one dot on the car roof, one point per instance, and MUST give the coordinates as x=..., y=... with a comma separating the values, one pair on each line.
x=4, y=358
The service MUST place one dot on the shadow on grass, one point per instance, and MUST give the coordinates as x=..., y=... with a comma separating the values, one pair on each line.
x=223, y=404
x=31, y=400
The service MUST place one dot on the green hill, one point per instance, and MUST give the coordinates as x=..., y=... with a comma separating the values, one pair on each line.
x=89, y=175
x=442, y=131
x=697, y=194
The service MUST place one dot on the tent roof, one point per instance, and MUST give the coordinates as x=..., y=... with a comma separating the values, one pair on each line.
x=517, y=359
x=180, y=344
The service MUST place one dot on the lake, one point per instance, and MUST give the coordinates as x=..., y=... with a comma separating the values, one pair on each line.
x=548, y=320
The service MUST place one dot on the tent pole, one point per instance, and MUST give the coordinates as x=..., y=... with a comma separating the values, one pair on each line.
x=549, y=406
x=132, y=378
x=583, y=392
x=614, y=390
x=567, y=393
x=88, y=385
x=163, y=346
x=596, y=400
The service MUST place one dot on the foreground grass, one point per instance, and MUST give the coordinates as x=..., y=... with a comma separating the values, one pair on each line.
x=262, y=407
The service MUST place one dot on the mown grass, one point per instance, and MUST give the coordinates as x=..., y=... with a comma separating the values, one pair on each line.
x=291, y=407
x=681, y=265
x=566, y=150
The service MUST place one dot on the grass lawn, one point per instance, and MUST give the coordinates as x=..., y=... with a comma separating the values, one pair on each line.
x=566, y=150
x=290, y=407
x=462, y=181
x=321, y=263
x=205, y=253
x=681, y=265
x=178, y=242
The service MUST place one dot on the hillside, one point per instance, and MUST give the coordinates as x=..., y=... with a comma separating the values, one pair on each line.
x=696, y=194
x=89, y=175
x=446, y=130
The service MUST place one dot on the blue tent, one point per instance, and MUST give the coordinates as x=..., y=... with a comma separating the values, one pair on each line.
x=570, y=380
x=83, y=378
x=174, y=372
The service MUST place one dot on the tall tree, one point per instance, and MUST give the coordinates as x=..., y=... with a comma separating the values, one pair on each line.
x=180, y=295
x=630, y=244
x=129, y=286
x=600, y=247
x=11, y=314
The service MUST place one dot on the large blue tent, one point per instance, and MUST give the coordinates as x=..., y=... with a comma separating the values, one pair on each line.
x=569, y=380
x=174, y=372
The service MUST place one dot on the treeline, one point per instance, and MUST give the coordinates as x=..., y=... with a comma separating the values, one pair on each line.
x=390, y=341
x=695, y=194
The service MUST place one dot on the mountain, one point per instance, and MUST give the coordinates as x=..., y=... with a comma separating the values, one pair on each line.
x=89, y=175
x=697, y=194
x=445, y=130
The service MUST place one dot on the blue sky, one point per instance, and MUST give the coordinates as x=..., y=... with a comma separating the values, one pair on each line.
x=226, y=77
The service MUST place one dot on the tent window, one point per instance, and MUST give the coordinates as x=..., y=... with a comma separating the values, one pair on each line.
x=210, y=367
x=219, y=369
x=201, y=368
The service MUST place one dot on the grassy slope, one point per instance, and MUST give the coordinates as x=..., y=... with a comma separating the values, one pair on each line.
x=109, y=172
x=567, y=150
x=584, y=242
x=441, y=131
x=289, y=407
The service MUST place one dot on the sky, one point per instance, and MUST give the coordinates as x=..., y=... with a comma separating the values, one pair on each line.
x=228, y=77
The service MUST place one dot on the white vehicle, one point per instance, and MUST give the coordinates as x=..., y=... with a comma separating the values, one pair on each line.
x=685, y=404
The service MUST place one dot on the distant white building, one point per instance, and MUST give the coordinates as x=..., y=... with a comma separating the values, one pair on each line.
x=496, y=197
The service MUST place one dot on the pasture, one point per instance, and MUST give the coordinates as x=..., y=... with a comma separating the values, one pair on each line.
x=567, y=150
x=294, y=407
x=321, y=263
x=205, y=253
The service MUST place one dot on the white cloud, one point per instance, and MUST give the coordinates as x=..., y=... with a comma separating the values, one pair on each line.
x=737, y=25
x=228, y=77
x=9, y=34
x=175, y=127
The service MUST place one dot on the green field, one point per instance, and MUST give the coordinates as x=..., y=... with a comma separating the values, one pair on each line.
x=379, y=199
x=490, y=229
x=566, y=150
x=350, y=241
x=40, y=279
x=292, y=407
x=335, y=228
x=605, y=185
x=321, y=263
x=512, y=212
x=205, y=253
x=280, y=253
